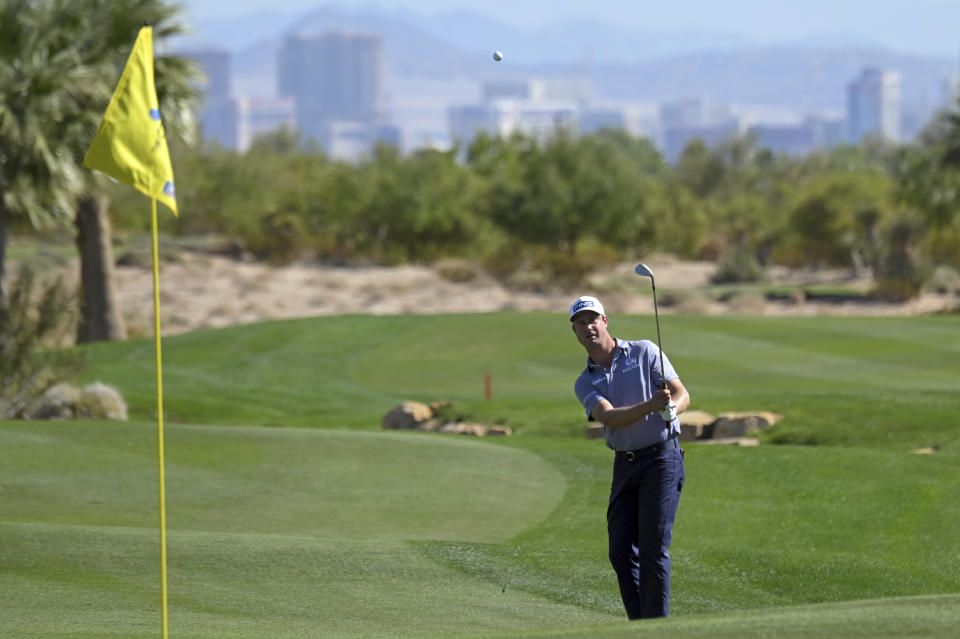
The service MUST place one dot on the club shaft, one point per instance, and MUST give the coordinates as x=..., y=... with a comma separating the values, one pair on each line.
x=656, y=315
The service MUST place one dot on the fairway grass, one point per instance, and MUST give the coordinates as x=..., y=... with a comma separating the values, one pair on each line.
x=341, y=530
x=90, y=581
x=840, y=381
x=933, y=616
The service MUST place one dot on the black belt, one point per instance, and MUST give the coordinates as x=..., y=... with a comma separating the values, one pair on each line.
x=634, y=455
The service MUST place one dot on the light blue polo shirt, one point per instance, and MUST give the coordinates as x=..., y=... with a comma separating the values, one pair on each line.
x=631, y=378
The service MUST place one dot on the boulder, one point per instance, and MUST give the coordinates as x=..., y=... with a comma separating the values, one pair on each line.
x=430, y=425
x=741, y=424
x=406, y=416
x=58, y=402
x=696, y=424
x=465, y=428
x=417, y=416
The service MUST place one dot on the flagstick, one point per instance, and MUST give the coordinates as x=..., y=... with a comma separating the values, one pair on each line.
x=156, y=329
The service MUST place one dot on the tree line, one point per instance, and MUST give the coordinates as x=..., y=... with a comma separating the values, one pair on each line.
x=570, y=204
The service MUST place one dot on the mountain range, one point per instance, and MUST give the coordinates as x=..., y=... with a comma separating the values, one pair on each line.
x=620, y=64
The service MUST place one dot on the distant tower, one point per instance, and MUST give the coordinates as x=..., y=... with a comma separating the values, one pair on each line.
x=873, y=106
x=216, y=116
x=335, y=77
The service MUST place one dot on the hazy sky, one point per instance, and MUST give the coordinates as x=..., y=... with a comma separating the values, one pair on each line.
x=920, y=26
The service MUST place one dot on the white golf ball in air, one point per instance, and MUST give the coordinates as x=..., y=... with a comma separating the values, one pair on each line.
x=497, y=56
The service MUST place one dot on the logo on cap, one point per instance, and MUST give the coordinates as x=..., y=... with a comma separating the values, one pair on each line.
x=586, y=303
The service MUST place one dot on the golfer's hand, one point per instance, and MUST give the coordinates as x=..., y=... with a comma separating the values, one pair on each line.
x=660, y=400
x=669, y=413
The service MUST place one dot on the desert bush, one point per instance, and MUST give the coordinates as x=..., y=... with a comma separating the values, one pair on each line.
x=281, y=238
x=738, y=265
x=65, y=401
x=902, y=273
x=100, y=401
x=457, y=270
x=33, y=318
x=751, y=302
x=684, y=301
x=945, y=280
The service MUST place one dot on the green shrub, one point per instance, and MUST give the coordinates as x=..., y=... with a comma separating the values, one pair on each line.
x=34, y=317
x=738, y=265
x=281, y=238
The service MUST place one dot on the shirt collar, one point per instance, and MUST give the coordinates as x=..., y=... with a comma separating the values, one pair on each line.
x=621, y=347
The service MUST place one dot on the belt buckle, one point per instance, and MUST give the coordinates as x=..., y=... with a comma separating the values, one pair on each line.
x=630, y=456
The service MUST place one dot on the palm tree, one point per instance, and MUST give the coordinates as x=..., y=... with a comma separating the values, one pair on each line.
x=39, y=78
x=59, y=62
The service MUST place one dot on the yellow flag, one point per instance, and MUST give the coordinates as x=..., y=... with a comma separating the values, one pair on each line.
x=130, y=145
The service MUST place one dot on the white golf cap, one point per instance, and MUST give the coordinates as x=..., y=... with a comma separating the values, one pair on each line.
x=586, y=303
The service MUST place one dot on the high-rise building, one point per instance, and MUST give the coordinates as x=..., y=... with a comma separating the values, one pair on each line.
x=334, y=77
x=253, y=117
x=683, y=121
x=215, y=116
x=873, y=106
x=538, y=108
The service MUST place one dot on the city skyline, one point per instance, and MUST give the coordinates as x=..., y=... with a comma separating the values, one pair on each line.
x=922, y=27
x=432, y=71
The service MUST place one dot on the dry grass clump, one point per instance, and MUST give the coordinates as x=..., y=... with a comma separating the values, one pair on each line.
x=457, y=270
x=65, y=401
x=100, y=401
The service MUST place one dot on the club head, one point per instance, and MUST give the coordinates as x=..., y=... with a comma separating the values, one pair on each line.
x=644, y=271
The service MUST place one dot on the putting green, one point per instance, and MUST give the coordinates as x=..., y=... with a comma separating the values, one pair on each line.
x=269, y=530
x=337, y=484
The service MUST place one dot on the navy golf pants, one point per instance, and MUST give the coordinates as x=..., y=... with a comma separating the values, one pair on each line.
x=643, y=504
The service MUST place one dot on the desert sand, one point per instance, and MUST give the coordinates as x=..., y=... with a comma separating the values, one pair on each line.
x=200, y=290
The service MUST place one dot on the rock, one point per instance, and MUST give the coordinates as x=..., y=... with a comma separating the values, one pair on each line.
x=417, y=416
x=430, y=425
x=57, y=402
x=696, y=424
x=735, y=441
x=740, y=424
x=406, y=416
x=465, y=428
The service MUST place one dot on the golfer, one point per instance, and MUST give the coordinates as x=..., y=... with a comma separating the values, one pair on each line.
x=624, y=389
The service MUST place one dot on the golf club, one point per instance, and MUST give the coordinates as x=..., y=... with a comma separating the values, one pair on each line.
x=644, y=271
x=669, y=413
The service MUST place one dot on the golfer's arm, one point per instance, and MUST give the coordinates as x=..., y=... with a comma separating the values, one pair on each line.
x=679, y=394
x=611, y=417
